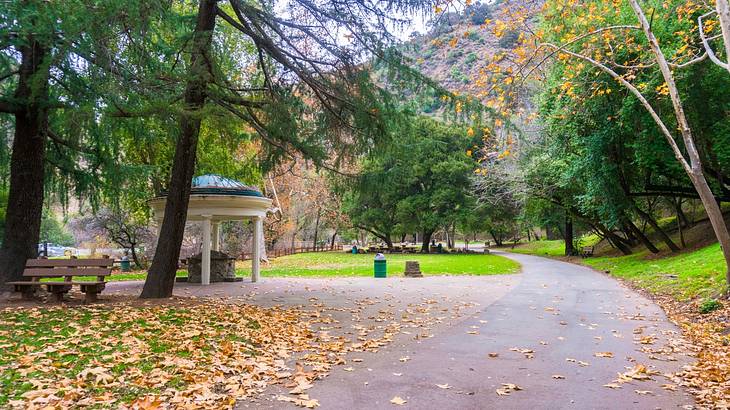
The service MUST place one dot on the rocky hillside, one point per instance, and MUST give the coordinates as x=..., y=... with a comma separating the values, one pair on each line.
x=458, y=46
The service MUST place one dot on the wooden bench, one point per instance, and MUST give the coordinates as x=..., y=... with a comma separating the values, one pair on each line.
x=64, y=270
x=587, y=251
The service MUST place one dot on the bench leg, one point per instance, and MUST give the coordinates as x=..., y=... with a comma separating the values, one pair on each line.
x=58, y=295
x=27, y=293
x=90, y=296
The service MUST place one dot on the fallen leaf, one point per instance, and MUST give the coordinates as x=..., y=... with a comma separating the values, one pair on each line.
x=398, y=401
x=604, y=354
x=443, y=386
x=558, y=376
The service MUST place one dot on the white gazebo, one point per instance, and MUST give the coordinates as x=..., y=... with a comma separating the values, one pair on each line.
x=214, y=199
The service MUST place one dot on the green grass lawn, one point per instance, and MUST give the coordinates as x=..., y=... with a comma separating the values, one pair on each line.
x=327, y=264
x=542, y=248
x=699, y=273
x=332, y=264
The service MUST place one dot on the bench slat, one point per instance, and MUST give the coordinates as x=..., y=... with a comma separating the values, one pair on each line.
x=55, y=283
x=68, y=262
x=56, y=272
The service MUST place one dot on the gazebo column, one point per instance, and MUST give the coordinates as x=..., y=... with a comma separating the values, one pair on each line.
x=216, y=236
x=258, y=226
x=205, y=265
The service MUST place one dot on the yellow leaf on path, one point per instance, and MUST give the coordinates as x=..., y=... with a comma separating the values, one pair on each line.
x=493, y=354
x=643, y=392
x=502, y=392
x=348, y=369
x=301, y=401
x=398, y=401
x=612, y=386
x=603, y=354
x=443, y=386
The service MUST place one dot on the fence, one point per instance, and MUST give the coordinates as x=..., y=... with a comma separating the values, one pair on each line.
x=275, y=253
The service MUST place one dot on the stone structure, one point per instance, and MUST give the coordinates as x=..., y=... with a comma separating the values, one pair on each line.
x=413, y=269
x=222, y=268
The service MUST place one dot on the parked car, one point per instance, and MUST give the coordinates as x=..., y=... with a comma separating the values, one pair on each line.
x=55, y=250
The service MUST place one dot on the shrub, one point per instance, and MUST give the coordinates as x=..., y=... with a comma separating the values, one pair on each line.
x=710, y=305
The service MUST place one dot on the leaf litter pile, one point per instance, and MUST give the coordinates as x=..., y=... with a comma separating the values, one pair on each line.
x=708, y=379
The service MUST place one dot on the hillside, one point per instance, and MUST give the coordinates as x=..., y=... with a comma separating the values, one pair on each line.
x=457, y=47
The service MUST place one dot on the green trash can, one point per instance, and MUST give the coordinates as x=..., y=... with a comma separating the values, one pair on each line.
x=381, y=269
x=125, y=265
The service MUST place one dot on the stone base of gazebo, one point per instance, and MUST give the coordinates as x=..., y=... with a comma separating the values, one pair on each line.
x=222, y=268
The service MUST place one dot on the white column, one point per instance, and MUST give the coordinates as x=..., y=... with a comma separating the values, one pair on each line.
x=216, y=236
x=205, y=268
x=258, y=226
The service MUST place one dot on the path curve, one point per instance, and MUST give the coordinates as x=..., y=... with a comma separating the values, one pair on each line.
x=558, y=310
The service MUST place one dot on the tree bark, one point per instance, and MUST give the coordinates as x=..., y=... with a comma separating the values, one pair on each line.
x=316, y=229
x=641, y=237
x=25, y=198
x=663, y=235
x=332, y=242
x=569, y=251
x=161, y=276
x=426, y=242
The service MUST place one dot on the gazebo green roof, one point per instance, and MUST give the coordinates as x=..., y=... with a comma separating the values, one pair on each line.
x=211, y=184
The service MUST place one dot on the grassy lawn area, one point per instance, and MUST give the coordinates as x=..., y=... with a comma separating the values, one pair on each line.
x=328, y=264
x=332, y=264
x=688, y=275
x=542, y=248
x=698, y=273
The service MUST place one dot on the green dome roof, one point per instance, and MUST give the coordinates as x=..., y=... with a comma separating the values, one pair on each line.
x=211, y=184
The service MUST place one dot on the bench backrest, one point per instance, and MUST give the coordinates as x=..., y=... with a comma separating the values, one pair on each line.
x=68, y=267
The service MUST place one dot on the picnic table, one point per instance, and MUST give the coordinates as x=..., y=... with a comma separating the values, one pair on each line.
x=63, y=271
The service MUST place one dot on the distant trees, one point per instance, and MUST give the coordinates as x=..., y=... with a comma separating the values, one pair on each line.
x=419, y=183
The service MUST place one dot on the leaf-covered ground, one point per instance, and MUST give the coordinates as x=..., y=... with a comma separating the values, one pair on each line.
x=202, y=356
x=270, y=342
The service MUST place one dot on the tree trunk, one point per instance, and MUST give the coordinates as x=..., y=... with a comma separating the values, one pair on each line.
x=332, y=242
x=714, y=213
x=25, y=199
x=426, y=242
x=498, y=240
x=161, y=276
x=569, y=251
x=681, y=216
x=663, y=235
x=316, y=229
x=681, y=232
x=641, y=237
x=135, y=258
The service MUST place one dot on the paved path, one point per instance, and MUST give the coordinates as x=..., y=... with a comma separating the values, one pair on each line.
x=559, y=311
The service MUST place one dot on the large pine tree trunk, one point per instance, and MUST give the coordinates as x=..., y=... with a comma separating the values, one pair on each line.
x=161, y=276
x=25, y=200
